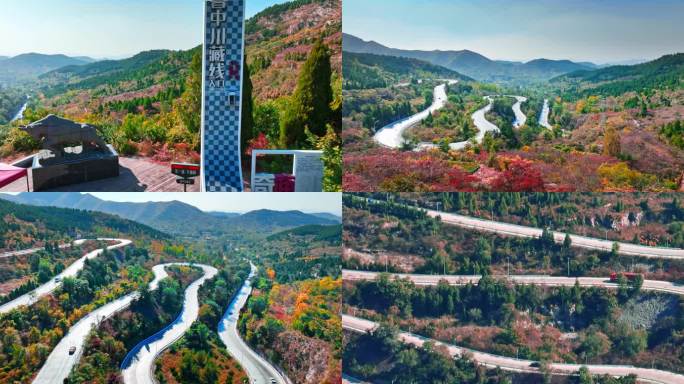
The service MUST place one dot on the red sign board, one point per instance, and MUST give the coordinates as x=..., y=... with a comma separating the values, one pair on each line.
x=185, y=170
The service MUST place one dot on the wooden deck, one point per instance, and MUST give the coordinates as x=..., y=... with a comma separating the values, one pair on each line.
x=136, y=175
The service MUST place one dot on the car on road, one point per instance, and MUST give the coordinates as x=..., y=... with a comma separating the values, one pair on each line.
x=273, y=381
x=72, y=350
x=535, y=364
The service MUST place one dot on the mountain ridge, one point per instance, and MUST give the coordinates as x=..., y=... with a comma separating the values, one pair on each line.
x=472, y=64
x=368, y=70
x=30, y=65
x=174, y=217
x=664, y=72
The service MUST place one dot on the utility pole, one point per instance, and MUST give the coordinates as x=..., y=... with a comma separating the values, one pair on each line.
x=568, y=266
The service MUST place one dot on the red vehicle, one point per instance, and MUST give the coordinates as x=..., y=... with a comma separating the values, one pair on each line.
x=630, y=276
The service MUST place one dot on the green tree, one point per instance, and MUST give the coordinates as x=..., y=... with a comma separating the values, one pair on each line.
x=267, y=121
x=247, y=123
x=310, y=107
x=611, y=142
x=567, y=242
x=585, y=376
x=198, y=336
x=189, y=106
x=331, y=146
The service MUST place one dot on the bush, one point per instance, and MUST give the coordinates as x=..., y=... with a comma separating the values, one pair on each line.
x=620, y=176
x=153, y=132
x=21, y=141
x=127, y=148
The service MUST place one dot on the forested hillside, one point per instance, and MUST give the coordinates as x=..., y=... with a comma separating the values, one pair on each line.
x=53, y=224
x=27, y=67
x=175, y=217
x=618, y=320
x=280, y=38
x=364, y=71
x=11, y=100
x=666, y=72
x=293, y=314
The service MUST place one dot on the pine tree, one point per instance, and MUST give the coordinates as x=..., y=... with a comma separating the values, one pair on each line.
x=310, y=107
x=189, y=106
x=247, y=124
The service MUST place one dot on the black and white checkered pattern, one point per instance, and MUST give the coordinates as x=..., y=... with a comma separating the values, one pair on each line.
x=221, y=121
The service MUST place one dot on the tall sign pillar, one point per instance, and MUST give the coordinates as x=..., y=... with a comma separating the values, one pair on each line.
x=222, y=95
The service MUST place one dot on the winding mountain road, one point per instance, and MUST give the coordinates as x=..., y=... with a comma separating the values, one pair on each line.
x=59, y=364
x=20, y=113
x=141, y=358
x=550, y=281
x=258, y=369
x=359, y=325
x=483, y=125
x=34, y=250
x=520, y=118
x=391, y=135
x=577, y=240
x=544, y=116
x=346, y=379
x=71, y=271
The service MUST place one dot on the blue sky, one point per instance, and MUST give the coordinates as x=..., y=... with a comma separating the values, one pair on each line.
x=240, y=202
x=103, y=28
x=595, y=30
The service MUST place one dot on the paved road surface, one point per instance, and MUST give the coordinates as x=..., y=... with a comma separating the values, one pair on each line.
x=392, y=135
x=70, y=271
x=346, y=379
x=577, y=240
x=259, y=370
x=520, y=118
x=544, y=116
x=34, y=250
x=356, y=324
x=551, y=281
x=483, y=125
x=59, y=364
x=140, y=371
x=20, y=113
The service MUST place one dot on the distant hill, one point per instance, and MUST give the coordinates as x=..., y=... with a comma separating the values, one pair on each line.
x=470, y=63
x=265, y=218
x=665, y=72
x=224, y=214
x=86, y=59
x=31, y=65
x=145, y=69
x=175, y=217
x=328, y=216
x=56, y=222
x=543, y=67
x=278, y=40
x=366, y=70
